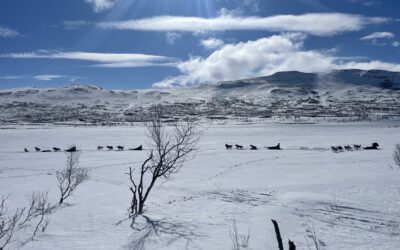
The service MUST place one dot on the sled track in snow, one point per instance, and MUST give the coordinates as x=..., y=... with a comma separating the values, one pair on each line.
x=353, y=217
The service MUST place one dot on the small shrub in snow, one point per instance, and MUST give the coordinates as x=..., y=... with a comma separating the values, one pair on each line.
x=71, y=177
x=316, y=243
x=39, y=209
x=335, y=204
x=35, y=216
x=8, y=223
x=239, y=241
x=396, y=155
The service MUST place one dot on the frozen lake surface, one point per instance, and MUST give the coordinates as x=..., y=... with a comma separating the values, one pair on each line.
x=352, y=198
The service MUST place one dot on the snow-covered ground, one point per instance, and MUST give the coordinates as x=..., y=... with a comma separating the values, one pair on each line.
x=352, y=198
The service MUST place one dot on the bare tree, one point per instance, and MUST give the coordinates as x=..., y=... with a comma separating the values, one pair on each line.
x=316, y=243
x=8, y=223
x=396, y=155
x=171, y=147
x=239, y=241
x=71, y=177
x=38, y=205
x=39, y=208
x=35, y=216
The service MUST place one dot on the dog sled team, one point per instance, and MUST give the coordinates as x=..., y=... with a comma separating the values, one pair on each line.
x=252, y=147
x=74, y=149
x=54, y=149
x=118, y=148
x=338, y=149
x=335, y=149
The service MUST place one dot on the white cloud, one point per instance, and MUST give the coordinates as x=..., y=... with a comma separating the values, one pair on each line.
x=212, y=43
x=321, y=24
x=47, y=77
x=263, y=57
x=378, y=35
x=230, y=12
x=7, y=32
x=365, y=2
x=113, y=60
x=374, y=64
x=11, y=77
x=135, y=64
x=172, y=37
x=396, y=44
x=254, y=5
x=101, y=5
x=370, y=3
x=75, y=24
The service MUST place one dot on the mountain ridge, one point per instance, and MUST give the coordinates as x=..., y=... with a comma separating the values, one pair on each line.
x=339, y=93
x=346, y=76
x=349, y=76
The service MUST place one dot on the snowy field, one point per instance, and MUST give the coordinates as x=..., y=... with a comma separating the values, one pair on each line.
x=352, y=198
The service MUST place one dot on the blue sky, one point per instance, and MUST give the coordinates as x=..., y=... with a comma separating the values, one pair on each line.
x=135, y=44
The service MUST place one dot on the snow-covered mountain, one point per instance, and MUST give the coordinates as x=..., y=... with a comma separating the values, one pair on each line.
x=340, y=93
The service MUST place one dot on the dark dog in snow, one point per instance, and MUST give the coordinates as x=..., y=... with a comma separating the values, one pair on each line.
x=238, y=146
x=348, y=148
x=57, y=149
x=227, y=146
x=252, y=147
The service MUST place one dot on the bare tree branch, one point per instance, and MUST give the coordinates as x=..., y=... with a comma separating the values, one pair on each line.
x=239, y=241
x=39, y=208
x=71, y=177
x=313, y=236
x=172, y=146
x=34, y=215
x=396, y=155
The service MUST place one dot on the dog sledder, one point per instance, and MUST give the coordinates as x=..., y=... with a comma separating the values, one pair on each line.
x=355, y=147
x=251, y=147
x=335, y=149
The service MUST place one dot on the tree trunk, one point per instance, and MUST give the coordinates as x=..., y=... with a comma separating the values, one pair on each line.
x=142, y=199
x=141, y=205
x=278, y=235
x=292, y=246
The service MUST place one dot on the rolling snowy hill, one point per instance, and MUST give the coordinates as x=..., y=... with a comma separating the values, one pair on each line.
x=351, y=94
